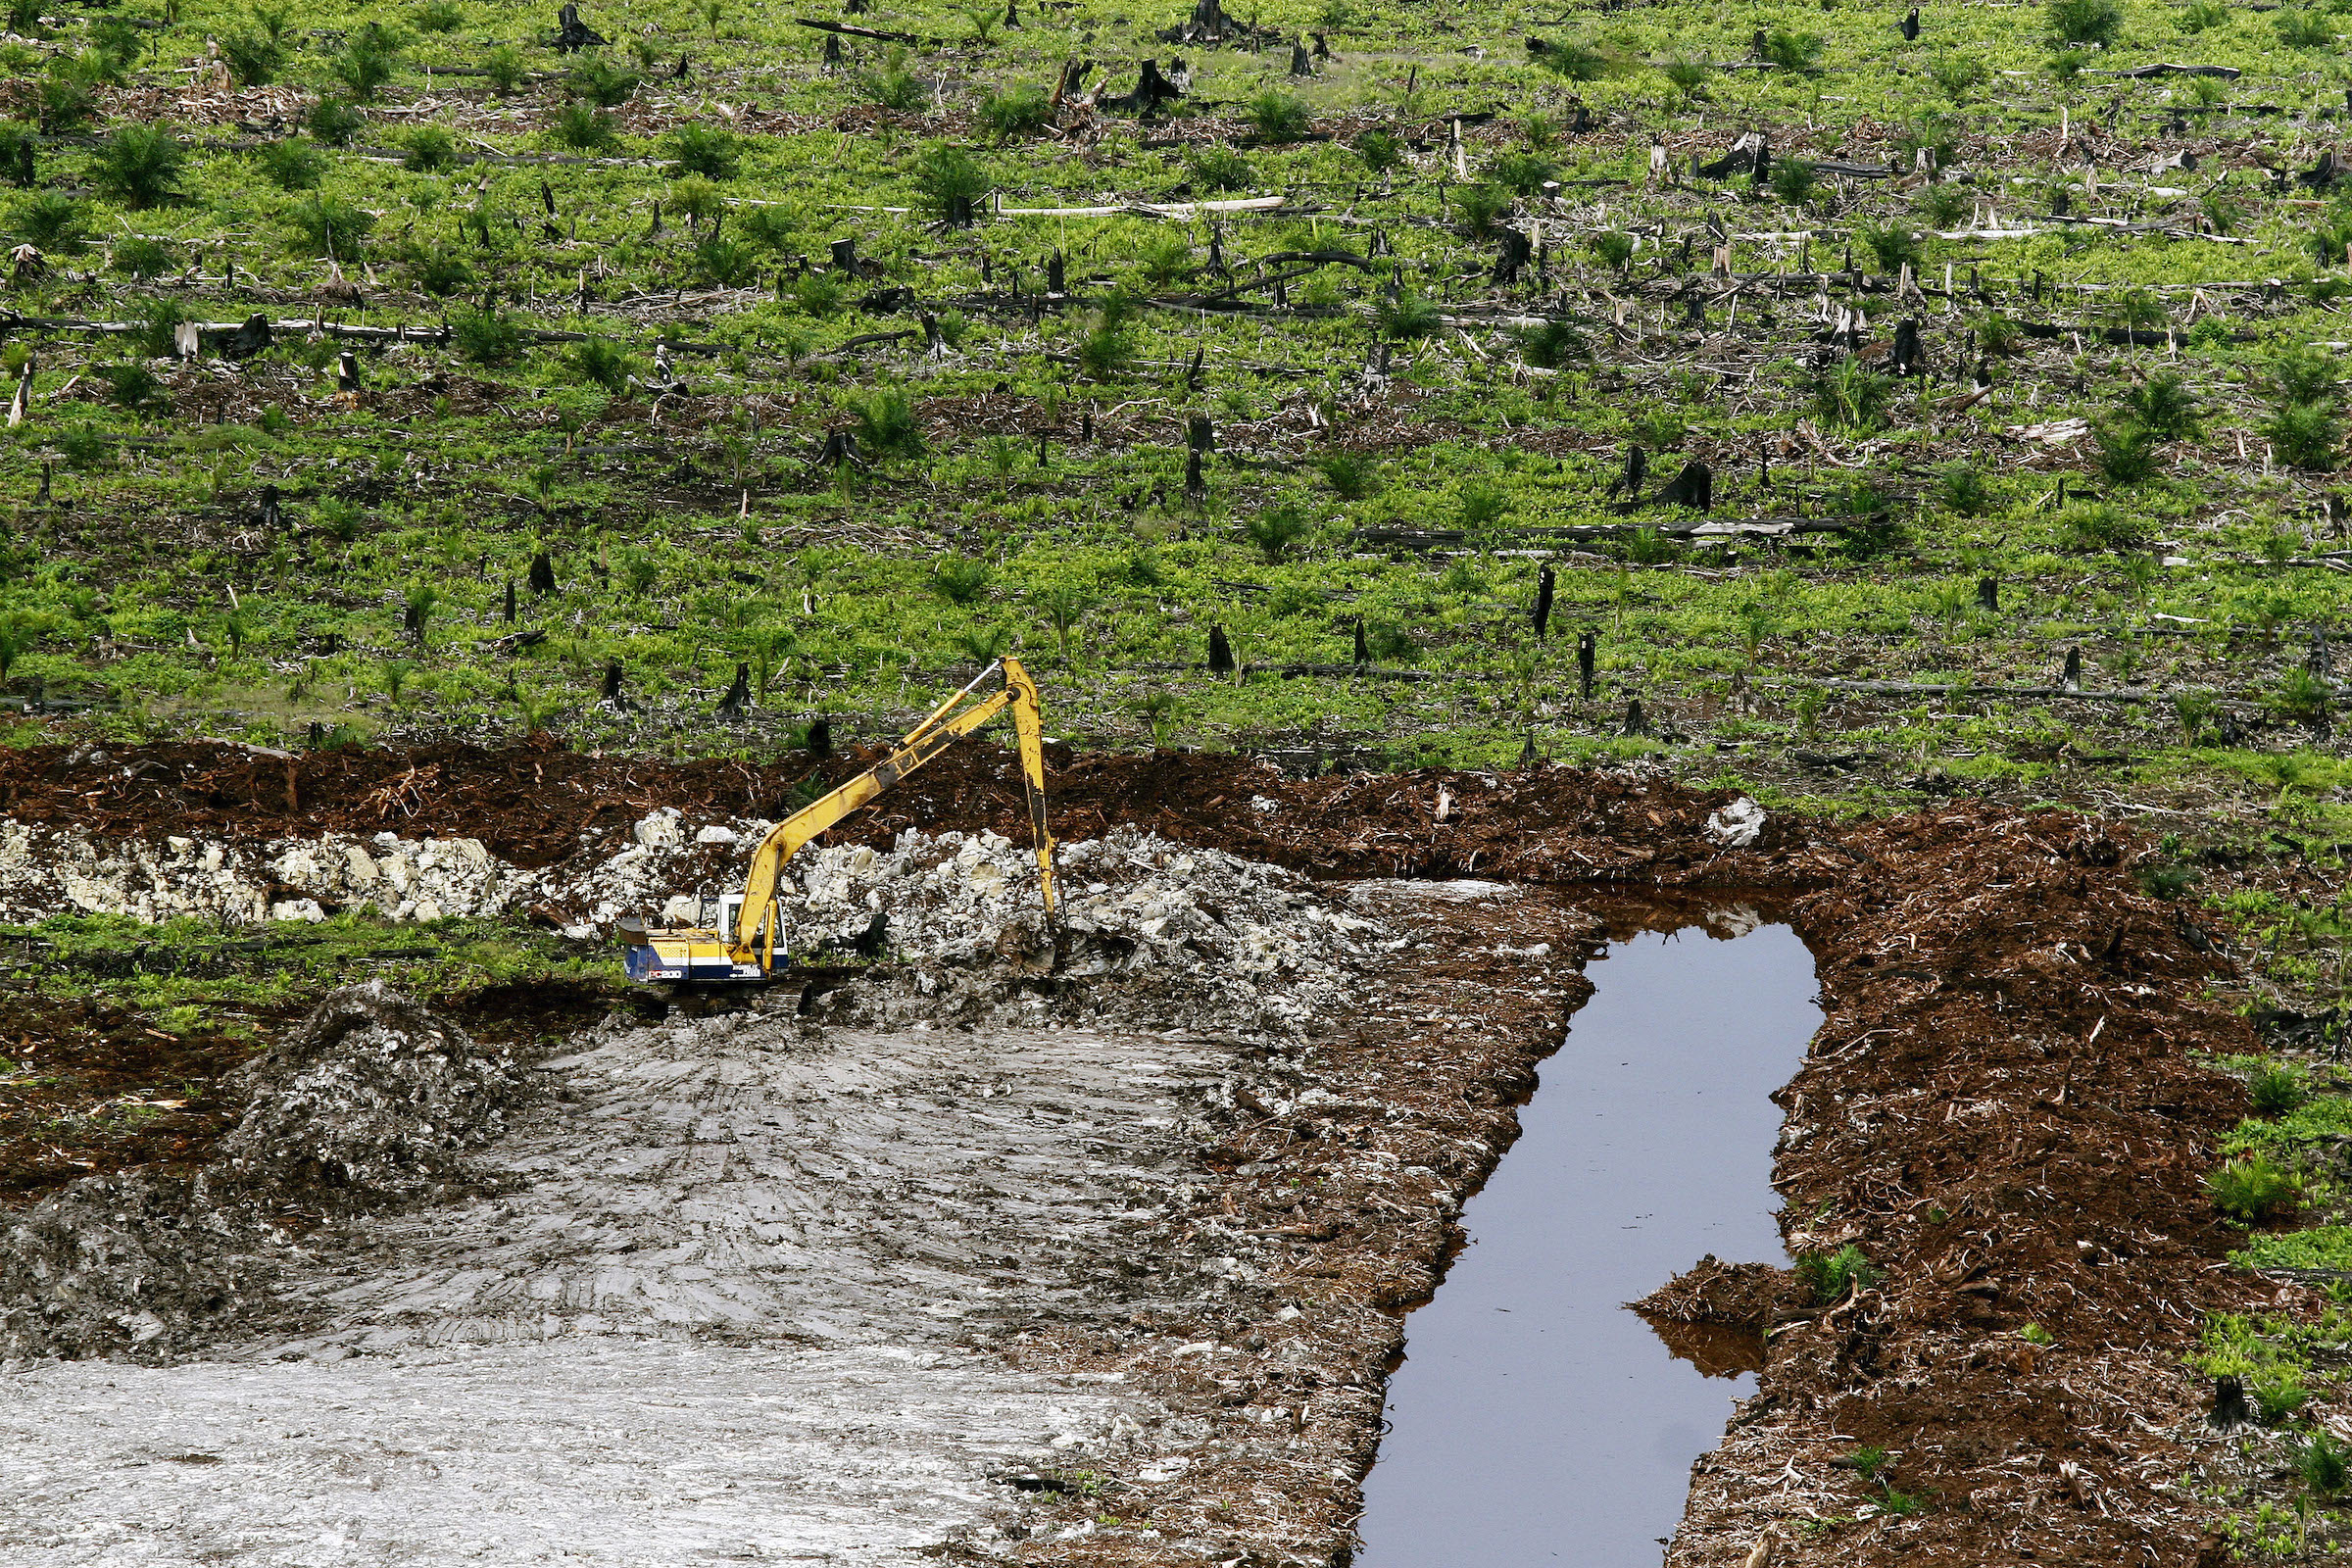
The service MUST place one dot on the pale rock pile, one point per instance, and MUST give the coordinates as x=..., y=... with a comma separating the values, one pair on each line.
x=1154, y=929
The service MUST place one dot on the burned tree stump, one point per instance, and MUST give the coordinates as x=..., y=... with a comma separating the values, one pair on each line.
x=1220, y=652
x=1195, y=484
x=1151, y=89
x=1586, y=646
x=1907, y=357
x=1517, y=253
x=1910, y=26
x=1364, y=651
x=1637, y=723
x=347, y=375
x=1693, y=487
x=739, y=695
x=1988, y=595
x=841, y=446
x=572, y=34
x=818, y=740
x=509, y=605
x=2071, y=678
x=1542, y=615
x=1527, y=753
x=1637, y=467
x=1302, y=63
x=542, y=574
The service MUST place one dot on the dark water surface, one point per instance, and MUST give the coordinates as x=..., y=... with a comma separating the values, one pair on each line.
x=1535, y=1420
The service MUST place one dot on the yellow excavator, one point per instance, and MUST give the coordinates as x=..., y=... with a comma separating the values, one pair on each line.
x=737, y=942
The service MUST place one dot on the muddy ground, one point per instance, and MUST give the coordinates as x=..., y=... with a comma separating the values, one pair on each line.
x=2003, y=1108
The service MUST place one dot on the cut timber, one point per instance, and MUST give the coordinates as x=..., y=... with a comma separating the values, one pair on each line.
x=1178, y=211
x=850, y=30
x=1915, y=688
x=1723, y=529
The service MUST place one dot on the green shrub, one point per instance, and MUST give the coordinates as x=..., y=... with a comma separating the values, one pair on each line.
x=485, y=337
x=2304, y=29
x=2322, y=1462
x=1215, y=166
x=1576, y=62
x=1406, y=314
x=1799, y=52
x=1613, y=247
x=960, y=579
x=1962, y=489
x=1958, y=72
x=2099, y=526
x=427, y=150
x=2202, y=15
x=2098, y=21
x=1795, y=181
x=599, y=81
x=437, y=16
x=137, y=257
x=50, y=219
x=2252, y=1188
x=329, y=225
x=726, y=263
x=1852, y=394
x=2127, y=451
x=1479, y=506
x=1482, y=207
x=894, y=87
x=157, y=334
x=705, y=150
x=2276, y=1088
x=2307, y=374
x=1551, y=346
x=291, y=165
x=583, y=127
x=1349, y=473
x=254, y=59
x=1522, y=173
x=131, y=386
x=1276, y=529
x=1277, y=117
x=2303, y=436
x=887, y=424
x=2165, y=406
x=334, y=122
x=1687, y=75
x=1893, y=246
x=601, y=362
x=1830, y=1277
x=1018, y=111
x=2279, y=1391
x=505, y=68
x=369, y=60
x=440, y=271
x=946, y=176
x=1943, y=206
x=1380, y=150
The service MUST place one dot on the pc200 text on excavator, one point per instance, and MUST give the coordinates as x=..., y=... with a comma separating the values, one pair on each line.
x=740, y=947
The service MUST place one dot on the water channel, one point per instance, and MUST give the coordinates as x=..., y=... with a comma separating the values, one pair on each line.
x=1535, y=1420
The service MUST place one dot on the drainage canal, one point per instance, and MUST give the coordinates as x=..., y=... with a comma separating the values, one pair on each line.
x=1535, y=1420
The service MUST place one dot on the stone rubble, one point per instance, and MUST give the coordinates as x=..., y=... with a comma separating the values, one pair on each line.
x=1241, y=945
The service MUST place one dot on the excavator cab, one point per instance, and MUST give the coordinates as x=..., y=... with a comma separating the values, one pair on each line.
x=735, y=936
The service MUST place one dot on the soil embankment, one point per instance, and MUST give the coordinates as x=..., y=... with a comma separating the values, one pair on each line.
x=2003, y=1110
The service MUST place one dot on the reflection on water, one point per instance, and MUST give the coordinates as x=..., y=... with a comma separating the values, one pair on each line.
x=1535, y=1420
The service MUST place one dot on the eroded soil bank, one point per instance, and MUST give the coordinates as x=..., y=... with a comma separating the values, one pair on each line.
x=2002, y=1109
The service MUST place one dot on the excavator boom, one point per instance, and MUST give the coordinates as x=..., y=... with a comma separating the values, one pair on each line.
x=742, y=948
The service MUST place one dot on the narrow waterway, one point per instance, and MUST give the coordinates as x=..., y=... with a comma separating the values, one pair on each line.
x=1535, y=1420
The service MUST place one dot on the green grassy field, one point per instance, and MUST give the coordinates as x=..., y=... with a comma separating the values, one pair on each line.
x=550, y=225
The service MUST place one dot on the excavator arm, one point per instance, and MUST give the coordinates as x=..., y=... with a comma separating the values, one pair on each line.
x=755, y=935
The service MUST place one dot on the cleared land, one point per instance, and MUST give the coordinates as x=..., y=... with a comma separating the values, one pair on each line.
x=1530, y=429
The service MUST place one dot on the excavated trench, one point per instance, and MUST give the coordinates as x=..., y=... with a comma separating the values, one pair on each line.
x=1221, y=1161
x=1535, y=1419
